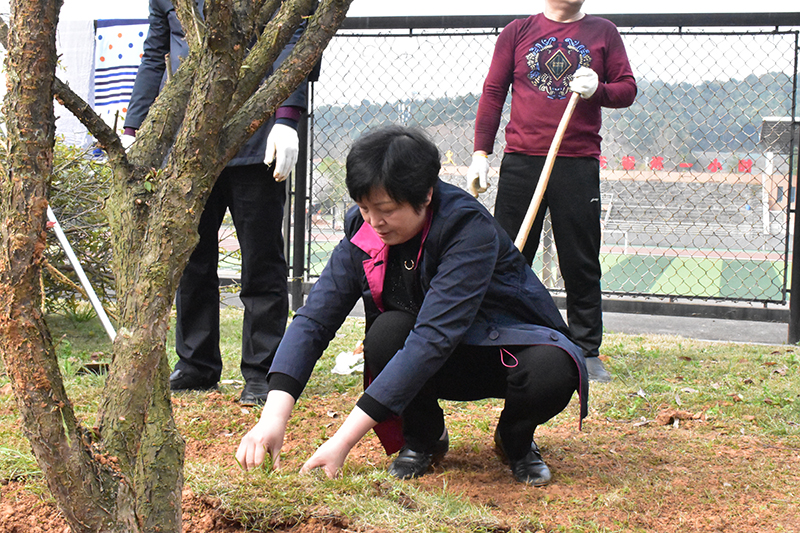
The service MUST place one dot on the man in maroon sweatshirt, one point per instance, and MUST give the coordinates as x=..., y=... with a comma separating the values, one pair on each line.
x=543, y=58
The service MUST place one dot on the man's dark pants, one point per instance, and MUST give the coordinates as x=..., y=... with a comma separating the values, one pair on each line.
x=256, y=203
x=573, y=198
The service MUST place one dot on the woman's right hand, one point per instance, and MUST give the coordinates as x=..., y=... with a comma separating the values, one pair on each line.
x=266, y=437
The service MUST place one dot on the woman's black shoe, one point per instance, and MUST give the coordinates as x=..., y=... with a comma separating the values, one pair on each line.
x=530, y=470
x=410, y=464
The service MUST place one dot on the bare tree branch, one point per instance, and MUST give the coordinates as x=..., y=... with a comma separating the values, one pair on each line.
x=266, y=12
x=3, y=33
x=101, y=131
x=105, y=135
x=214, y=85
x=308, y=50
x=191, y=19
x=272, y=41
x=155, y=137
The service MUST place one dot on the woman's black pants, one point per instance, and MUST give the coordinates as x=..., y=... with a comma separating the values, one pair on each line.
x=536, y=381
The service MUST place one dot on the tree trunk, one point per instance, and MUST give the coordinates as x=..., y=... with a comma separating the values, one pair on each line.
x=127, y=474
x=83, y=486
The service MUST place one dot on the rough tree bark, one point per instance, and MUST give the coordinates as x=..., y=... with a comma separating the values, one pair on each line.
x=126, y=473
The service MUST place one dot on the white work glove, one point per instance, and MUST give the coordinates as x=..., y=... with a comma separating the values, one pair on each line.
x=282, y=147
x=127, y=141
x=476, y=174
x=584, y=82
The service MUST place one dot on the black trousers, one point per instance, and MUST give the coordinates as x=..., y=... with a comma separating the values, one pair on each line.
x=537, y=383
x=573, y=198
x=255, y=201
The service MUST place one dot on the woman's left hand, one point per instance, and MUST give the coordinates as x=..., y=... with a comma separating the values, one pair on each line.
x=330, y=457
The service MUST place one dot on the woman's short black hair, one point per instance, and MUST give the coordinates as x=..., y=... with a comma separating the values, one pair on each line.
x=400, y=160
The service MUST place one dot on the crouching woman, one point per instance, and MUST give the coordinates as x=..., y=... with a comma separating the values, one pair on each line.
x=452, y=312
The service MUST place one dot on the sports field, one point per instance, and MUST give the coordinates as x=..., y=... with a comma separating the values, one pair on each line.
x=654, y=271
x=691, y=275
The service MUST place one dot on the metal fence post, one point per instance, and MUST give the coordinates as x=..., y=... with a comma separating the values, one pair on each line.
x=794, y=290
x=794, y=142
x=300, y=195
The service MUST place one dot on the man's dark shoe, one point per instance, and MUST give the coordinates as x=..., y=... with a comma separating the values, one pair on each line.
x=597, y=371
x=410, y=464
x=183, y=380
x=530, y=470
x=254, y=393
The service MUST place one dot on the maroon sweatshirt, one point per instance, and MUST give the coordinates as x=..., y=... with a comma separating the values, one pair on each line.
x=538, y=57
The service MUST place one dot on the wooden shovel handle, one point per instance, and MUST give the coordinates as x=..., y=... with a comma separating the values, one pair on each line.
x=538, y=194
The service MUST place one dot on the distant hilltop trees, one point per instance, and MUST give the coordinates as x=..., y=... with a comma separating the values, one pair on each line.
x=669, y=120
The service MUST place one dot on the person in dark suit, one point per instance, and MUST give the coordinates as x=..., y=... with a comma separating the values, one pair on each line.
x=252, y=187
x=453, y=311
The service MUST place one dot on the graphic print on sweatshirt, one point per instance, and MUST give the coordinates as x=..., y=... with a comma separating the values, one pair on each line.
x=553, y=64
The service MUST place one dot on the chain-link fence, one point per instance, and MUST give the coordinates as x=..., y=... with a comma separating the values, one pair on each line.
x=430, y=80
x=696, y=176
x=696, y=192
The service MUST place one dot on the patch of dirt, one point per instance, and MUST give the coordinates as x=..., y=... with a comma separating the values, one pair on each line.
x=678, y=472
x=22, y=511
x=203, y=514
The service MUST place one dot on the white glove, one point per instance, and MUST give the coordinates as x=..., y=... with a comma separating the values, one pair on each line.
x=584, y=82
x=282, y=147
x=127, y=141
x=476, y=174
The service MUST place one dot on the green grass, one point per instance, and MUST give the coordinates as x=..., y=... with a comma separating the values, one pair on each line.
x=287, y=498
x=751, y=388
x=15, y=462
x=738, y=391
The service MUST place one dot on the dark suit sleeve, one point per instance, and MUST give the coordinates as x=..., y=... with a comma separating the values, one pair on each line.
x=298, y=97
x=315, y=324
x=151, y=70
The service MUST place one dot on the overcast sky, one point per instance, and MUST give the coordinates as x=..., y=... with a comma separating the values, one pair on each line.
x=103, y=9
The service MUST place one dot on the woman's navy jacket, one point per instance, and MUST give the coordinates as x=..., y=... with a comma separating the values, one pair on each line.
x=477, y=290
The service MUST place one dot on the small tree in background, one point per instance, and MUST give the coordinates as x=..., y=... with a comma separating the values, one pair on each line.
x=78, y=188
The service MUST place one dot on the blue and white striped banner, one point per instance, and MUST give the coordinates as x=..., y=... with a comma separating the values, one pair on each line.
x=118, y=52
